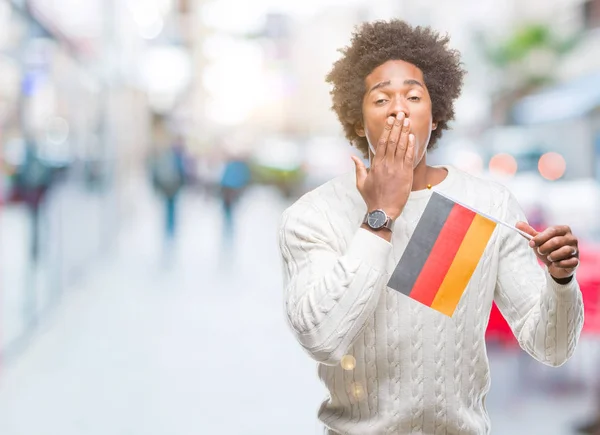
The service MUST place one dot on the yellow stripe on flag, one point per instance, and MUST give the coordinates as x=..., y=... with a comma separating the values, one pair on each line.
x=463, y=265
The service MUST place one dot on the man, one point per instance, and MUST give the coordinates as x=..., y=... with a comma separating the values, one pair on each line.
x=391, y=364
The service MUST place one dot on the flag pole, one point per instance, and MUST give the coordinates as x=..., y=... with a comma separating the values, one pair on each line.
x=493, y=219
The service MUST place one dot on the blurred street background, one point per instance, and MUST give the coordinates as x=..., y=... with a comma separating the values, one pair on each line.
x=147, y=151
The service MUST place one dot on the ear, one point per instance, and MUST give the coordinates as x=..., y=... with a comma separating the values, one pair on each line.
x=359, y=129
x=434, y=126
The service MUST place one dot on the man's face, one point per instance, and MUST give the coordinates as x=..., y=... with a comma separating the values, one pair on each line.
x=394, y=87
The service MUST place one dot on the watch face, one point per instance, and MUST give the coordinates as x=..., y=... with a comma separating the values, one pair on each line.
x=376, y=219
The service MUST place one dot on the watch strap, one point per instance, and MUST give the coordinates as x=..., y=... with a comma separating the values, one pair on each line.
x=389, y=223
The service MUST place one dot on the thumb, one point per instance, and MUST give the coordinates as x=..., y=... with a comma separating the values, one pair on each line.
x=525, y=227
x=361, y=171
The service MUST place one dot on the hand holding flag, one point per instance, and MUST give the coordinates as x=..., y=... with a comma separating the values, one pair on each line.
x=450, y=239
x=556, y=247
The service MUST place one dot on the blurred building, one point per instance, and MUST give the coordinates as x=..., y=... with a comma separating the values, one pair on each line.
x=79, y=84
x=564, y=117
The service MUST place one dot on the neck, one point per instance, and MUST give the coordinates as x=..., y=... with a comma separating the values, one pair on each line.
x=424, y=175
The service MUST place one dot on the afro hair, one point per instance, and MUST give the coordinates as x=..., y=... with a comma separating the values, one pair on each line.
x=372, y=45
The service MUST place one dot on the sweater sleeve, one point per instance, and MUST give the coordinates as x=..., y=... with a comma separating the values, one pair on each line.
x=545, y=317
x=329, y=294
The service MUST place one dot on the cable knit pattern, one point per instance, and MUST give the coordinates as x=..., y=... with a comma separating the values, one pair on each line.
x=393, y=357
x=440, y=385
x=459, y=361
x=417, y=369
x=480, y=373
x=371, y=370
x=441, y=413
x=338, y=304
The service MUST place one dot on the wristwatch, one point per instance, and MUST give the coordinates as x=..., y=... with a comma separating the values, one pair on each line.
x=377, y=220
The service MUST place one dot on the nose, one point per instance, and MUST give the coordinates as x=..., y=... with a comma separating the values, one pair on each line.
x=399, y=104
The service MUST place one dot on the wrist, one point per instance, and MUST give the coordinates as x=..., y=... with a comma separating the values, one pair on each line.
x=391, y=213
x=562, y=281
x=378, y=220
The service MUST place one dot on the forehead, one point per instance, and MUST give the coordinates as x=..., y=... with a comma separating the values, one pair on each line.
x=394, y=70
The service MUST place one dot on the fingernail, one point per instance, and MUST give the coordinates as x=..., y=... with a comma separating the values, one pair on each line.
x=390, y=120
x=400, y=115
x=532, y=244
x=406, y=122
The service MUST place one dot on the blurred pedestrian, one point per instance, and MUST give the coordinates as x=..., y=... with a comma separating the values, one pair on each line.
x=392, y=364
x=234, y=180
x=168, y=177
x=33, y=179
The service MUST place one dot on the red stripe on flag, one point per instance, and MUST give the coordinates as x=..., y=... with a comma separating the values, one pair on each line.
x=442, y=254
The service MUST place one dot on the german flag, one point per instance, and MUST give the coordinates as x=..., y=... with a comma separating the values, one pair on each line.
x=442, y=254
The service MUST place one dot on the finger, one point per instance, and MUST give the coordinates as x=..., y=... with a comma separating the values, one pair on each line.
x=525, y=227
x=403, y=144
x=392, y=142
x=361, y=172
x=563, y=253
x=556, y=243
x=409, y=156
x=548, y=233
x=383, y=140
x=568, y=265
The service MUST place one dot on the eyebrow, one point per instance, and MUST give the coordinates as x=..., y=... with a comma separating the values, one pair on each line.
x=407, y=82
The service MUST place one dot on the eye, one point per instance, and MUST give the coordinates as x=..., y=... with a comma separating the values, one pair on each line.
x=381, y=101
x=414, y=98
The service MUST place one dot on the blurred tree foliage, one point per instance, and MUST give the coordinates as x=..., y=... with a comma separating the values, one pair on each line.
x=525, y=61
x=525, y=40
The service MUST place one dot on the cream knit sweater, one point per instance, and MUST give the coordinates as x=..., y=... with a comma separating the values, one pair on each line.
x=392, y=365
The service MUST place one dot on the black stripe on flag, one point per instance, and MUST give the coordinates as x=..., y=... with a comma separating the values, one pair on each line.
x=421, y=243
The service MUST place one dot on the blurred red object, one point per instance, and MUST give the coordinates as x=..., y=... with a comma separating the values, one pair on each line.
x=588, y=276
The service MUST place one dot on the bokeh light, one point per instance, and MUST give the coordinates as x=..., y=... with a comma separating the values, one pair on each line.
x=357, y=390
x=503, y=164
x=468, y=161
x=348, y=362
x=552, y=166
